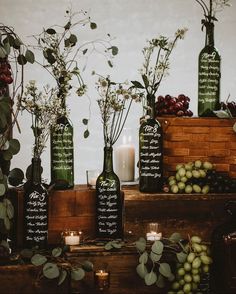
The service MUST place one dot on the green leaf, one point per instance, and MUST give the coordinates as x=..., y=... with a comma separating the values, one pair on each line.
x=29, y=55
x=143, y=258
x=7, y=48
x=3, y=121
x=221, y=113
x=141, y=270
x=85, y=121
x=7, y=223
x=56, y=252
x=17, y=43
x=150, y=278
x=3, y=52
x=145, y=80
x=51, y=31
x=175, y=237
x=38, y=259
x=51, y=270
x=2, y=189
x=87, y=266
x=110, y=63
x=10, y=40
x=26, y=253
x=14, y=146
x=7, y=155
x=16, y=177
x=93, y=25
x=77, y=274
x=155, y=257
x=62, y=277
x=3, y=211
x=160, y=281
x=86, y=134
x=137, y=85
x=165, y=269
x=171, y=278
x=141, y=246
x=67, y=42
x=114, y=50
x=5, y=107
x=73, y=39
x=21, y=59
x=157, y=247
x=67, y=26
x=181, y=256
x=108, y=246
x=10, y=211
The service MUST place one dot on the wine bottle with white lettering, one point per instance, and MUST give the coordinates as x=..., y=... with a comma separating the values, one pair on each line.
x=150, y=151
x=62, y=155
x=35, y=209
x=109, y=201
x=209, y=75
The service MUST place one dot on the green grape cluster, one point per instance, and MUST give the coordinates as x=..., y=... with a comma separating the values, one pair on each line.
x=194, y=266
x=189, y=178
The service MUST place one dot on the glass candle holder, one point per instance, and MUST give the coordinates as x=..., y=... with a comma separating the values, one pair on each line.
x=102, y=279
x=92, y=176
x=71, y=237
x=153, y=232
x=125, y=157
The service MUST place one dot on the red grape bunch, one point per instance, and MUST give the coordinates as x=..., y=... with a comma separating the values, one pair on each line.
x=231, y=106
x=5, y=73
x=170, y=105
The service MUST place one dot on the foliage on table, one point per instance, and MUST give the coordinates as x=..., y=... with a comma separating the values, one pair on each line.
x=13, y=57
x=172, y=263
x=65, y=56
x=55, y=265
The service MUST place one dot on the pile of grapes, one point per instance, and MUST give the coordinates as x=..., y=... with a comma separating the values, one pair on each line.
x=231, y=106
x=199, y=177
x=169, y=105
x=190, y=273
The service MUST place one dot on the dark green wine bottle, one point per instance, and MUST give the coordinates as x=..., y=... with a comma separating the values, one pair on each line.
x=62, y=155
x=150, y=152
x=109, y=201
x=35, y=209
x=209, y=74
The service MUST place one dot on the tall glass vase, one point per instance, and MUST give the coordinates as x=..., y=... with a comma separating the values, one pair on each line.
x=109, y=201
x=209, y=74
x=62, y=155
x=150, y=152
x=35, y=209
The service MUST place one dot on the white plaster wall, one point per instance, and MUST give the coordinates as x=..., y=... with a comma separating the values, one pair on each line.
x=132, y=22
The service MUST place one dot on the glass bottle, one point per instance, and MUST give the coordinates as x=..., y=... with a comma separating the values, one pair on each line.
x=35, y=209
x=150, y=152
x=109, y=201
x=62, y=155
x=223, y=248
x=209, y=74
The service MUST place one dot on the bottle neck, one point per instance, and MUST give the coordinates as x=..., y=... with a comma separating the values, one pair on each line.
x=108, y=160
x=209, y=34
x=151, y=105
x=36, y=170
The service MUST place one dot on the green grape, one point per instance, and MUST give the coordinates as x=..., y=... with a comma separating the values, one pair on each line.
x=197, y=247
x=194, y=286
x=196, y=239
x=187, y=266
x=180, y=292
x=196, y=174
x=179, y=166
x=202, y=173
x=188, y=166
x=205, y=259
x=196, y=263
x=189, y=174
x=183, y=179
x=205, y=268
x=197, y=188
x=196, y=278
x=191, y=257
x=181, y=271
x=207, y=165
x=172, y=182
x=171, y=178
x=188, y=189
x=181, y=185
x=187, y=288
x=175, y=286
x=187, y=278
x=198, y=163
x=177, y=176
x=195, y=271
x=181, y=282
x=205, y=189
x=174, y=189
x=204, y=247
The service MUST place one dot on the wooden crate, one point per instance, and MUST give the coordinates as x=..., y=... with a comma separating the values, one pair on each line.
x=188, y=139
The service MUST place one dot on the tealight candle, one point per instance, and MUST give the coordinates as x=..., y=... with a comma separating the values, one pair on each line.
x=102, y=279
x=154, y=233
x=92, y=176
x=72, y=238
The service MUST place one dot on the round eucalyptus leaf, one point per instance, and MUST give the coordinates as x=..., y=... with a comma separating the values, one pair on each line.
x=175, y=237
x=26, y=253
x=29, y=55
x=56, y=252
x=87, y=266
x=143, y=240
x=181, y=256
x=150, y=278
x=143, y=258
x=14, y=146
x=38, y=259
x=93, y=25
x=21, y=59
x=10, y=211
x=155, y=257
x=114, y=50
x=116, y=244
x=141, y=270
x=3, y=211
x=73, y=39
x=108, y=246
x=51, y=31
x=160, y=281
x=141, y=246
x=62, y=277
x=7, y=155
x=7, y=223
x=77, y=274
x=157, y=247
x=3, y=52
x=2, y=189
x=165, y=269
x=51, y=270
x=7, y=48
x=16, y=177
